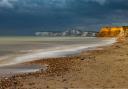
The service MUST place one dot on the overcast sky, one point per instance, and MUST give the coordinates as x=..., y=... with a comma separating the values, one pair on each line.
x=28, y=16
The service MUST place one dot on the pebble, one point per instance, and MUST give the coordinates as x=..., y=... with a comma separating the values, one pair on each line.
x=82, y=59
x=64, y=80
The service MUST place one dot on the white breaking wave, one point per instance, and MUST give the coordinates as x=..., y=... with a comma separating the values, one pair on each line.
x=57, y=52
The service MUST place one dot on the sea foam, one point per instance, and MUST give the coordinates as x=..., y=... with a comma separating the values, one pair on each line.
x=57, y=52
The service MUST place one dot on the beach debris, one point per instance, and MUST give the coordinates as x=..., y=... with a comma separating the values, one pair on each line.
x=87, y=58
x=44, y=67
x=117, y=46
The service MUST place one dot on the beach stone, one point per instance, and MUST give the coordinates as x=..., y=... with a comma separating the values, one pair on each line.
x=15, y=83
x=117, y=46
x=82, y=59
x=47, y=87
x=6, y=78
x=64, y=80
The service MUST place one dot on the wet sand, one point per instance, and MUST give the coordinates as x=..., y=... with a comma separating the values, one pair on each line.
x=8, y=71
x=105, y=67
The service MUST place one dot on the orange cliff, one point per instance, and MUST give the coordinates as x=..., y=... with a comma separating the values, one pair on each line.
x=120, y=32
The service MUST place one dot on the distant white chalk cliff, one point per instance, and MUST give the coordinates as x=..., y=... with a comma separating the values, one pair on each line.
x=72, y=32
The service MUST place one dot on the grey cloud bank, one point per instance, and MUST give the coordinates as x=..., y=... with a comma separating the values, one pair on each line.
x=24, y=17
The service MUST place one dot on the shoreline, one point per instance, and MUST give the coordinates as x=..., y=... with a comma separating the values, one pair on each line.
x=90, y=69
x=27, y=67
x=57, y=52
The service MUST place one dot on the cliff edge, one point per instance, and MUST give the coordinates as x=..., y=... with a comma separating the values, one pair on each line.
x=120, y=32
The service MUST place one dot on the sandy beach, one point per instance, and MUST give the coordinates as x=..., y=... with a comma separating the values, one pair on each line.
x=63, y=44
x=104, y=67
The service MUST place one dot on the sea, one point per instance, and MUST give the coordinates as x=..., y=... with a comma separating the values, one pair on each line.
x=16, y=50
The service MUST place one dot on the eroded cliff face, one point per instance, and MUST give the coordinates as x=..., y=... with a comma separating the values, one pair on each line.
x=110, y=31
x=120, y=32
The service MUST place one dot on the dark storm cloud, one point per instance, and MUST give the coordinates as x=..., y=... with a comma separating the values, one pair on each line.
x=20, y=16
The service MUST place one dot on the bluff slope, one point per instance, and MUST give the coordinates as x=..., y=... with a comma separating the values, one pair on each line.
x=120, y=32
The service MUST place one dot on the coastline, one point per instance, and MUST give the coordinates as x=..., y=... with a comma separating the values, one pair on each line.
x=90, y=69
x=55, y=52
